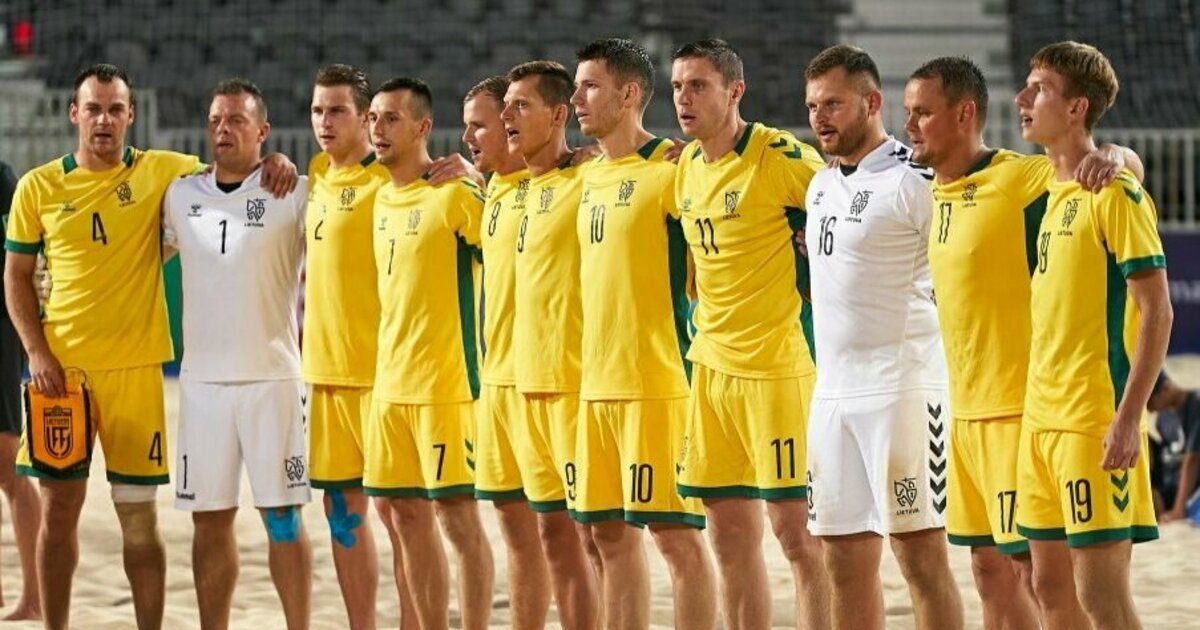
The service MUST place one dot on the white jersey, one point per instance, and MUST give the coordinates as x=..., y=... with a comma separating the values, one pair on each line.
x=240, y=253
x=874, y=319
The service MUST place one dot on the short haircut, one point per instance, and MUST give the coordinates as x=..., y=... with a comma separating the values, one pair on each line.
x=104, y=73
x=422, y=97
x=961, y=80
x=854, y=60
x=238, y=86
x=555, y=84
x=719, y=53
x=494, y=86
x=337, y=74
x=625, y=59
x=1088, y=73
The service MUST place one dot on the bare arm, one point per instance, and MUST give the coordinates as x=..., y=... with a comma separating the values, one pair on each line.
x=1187, y=480
x=1149, y=292
x=44, y=368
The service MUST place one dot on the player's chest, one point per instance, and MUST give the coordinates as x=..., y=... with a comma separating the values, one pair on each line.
x=235, y=226
x=548, y=224
x=340, y=210
x=89, y=215
x=1066, y=241
x=627, y=211
x=411, y=229
x=501, y=223
x=730, y=213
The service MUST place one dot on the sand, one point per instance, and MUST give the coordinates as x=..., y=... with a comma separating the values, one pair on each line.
x=1165, y=573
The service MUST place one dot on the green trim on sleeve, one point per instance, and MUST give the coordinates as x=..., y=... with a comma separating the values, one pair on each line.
x=1134, y=265
x=1033, y=222
x=22, y=248
x=677, y=249
x=466, y=313
x=1118, y=358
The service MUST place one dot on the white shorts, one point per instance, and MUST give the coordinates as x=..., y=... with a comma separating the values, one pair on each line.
x=878, y=463
x=222, y=425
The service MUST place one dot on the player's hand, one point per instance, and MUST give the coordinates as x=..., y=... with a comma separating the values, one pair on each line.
x=1122, y=444
x=451, y=167
x=676, y=151
x=1100, y=167
x=801, y=238
x=47, y=374
x=1176, y=514
x=279, y=175
x=42, y=282
x=585, y=153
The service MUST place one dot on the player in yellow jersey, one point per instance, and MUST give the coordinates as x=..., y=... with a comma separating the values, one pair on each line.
x=341, y=322
x=988, y=204
x=95, y=212
x=741, y=188
x=633, y=392
x=1101, y=318
x=497, y=475
x=547, y=325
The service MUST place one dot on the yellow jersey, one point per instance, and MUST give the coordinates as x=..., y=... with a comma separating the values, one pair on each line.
x=981, y=256
x=426, y=246
x=502, y=214
x=1084, y=322
x=101, y=233
x=341, y=303
x=548, y=325
x=633, y=277
x=740, y=214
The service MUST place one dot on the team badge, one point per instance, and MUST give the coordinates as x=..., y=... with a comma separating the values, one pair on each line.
x=546, y=200
x=124, y=194
x=57, y=428
x=625, y=193
x=906, y=492
x=522, y=193
x=969, y=193
x=731, y=202
x=859, y=204
x=348, y=194
x=294, y=467
x=255, y=209
x=414, y=220
x=1070, y=212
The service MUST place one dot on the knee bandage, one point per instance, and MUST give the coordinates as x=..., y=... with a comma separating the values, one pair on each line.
x=283, y=524
x=342, y=522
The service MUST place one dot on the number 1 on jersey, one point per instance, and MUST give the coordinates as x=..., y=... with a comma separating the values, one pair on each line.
x=224, y=230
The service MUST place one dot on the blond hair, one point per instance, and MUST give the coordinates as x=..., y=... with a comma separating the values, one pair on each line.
x=1088, y=73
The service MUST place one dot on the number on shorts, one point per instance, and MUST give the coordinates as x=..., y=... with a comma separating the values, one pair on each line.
x=779, y=445
x=1080, y=492
x=641, y=483
x=441, y=449
x=569, y=474
x=156, y=448
x=1008, y=509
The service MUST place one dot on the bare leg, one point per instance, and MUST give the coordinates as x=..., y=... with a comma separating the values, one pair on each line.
x=789, y=521
x=528, y=574
x=693, y=584
x=925, y=562
x=26, y=520
x=1007, y=603
x=857, y=594
x=1102, y=578
x=425, y=566
x=460, y=521
x=626, y=583
x=354, y=555
x=58, y=547
x=145, y=561
x=1054, y=586
x=735, y=527
x=574, y=573
x=289, y=555
x=408, y=610
x=214, y=566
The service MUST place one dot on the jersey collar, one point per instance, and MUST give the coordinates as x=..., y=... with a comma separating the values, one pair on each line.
x=69, y=163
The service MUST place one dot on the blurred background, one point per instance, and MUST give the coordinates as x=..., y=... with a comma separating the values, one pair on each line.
x=176, y=51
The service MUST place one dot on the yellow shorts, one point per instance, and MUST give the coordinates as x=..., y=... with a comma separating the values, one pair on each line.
x=128, y=412
x=335, y=419
x=626, y=460
x=497, y=476
x=1065, y=494
x=545, y=448
x=745, y=437
x=981, y=498
x=420, y=451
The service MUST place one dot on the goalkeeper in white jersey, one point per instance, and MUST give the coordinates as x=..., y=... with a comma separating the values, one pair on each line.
x=241, y=397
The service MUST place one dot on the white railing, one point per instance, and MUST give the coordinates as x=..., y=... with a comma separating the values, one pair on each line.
x=34, y=128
